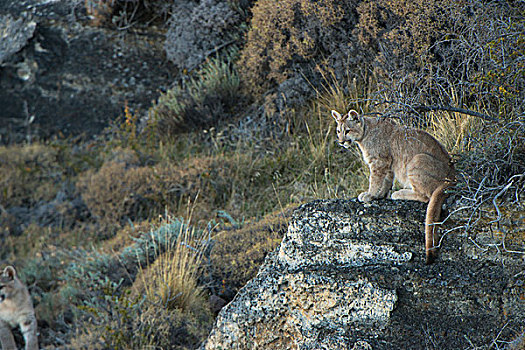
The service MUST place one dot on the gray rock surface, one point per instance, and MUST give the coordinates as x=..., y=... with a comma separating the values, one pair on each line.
x=14, y=35
x=198, y=30
x=352, y=276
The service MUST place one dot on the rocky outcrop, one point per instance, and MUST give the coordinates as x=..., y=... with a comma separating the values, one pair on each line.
x=352, y=276
x=61, y=76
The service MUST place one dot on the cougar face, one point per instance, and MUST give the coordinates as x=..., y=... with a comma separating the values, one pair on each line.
x=349, y=128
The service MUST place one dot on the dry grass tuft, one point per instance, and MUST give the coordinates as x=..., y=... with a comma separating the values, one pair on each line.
x=172, y=279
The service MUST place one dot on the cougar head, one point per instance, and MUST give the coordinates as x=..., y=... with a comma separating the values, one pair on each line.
x=349, y=127
x=7, y=283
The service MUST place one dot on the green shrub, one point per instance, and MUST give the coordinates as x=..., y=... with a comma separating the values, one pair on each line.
x=171, y=280
x=128, y=323
x=110, y=315
x=201, y=101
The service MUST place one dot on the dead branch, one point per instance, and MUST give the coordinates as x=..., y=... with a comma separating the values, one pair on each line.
x=456, y=109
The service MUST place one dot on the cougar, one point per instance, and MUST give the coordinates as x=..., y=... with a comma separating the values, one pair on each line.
x=16, y=308
x=417, y=160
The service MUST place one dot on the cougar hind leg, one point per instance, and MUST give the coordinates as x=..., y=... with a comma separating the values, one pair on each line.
x=409, y=194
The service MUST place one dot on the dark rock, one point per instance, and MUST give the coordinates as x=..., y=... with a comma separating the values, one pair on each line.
x=216, y=303
x=63, y=77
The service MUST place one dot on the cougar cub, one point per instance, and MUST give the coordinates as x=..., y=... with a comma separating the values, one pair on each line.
x=16, y=308
x=416, y=159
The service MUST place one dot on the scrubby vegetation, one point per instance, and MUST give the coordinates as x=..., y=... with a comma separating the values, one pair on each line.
x=132, y=233
x=203, y=100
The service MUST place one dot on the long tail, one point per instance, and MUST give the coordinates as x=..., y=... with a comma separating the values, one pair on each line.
x=432, y=216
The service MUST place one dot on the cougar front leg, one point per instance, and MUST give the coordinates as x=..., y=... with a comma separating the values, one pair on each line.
x=380, y=181
x=6, y=337
x=29, y=330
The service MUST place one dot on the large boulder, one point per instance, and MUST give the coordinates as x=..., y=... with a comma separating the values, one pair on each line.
x=352, y=276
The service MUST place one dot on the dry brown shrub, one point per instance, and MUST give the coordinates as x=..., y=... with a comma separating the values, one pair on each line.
x=115, y=192
x=286, y=33
x=118, y=192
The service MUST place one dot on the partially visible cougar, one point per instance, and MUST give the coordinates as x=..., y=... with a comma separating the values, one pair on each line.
x=416, y=159
x=16, y=308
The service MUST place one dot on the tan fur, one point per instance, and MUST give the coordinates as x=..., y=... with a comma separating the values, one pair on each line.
x=16, y=309
x=417, y=160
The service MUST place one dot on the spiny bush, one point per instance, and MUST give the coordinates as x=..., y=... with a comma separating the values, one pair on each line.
x=203, y=100
x=495, y=156
x=289, y=33
x=517, y=343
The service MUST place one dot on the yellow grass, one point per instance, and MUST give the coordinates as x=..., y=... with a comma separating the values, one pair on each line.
x=454, y=130
x=171, y=280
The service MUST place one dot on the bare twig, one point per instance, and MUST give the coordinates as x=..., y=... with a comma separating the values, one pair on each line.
x=511, y=182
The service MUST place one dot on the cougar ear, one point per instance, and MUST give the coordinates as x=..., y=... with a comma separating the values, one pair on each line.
x=353, y=115
x=10, y=272
x=336, y=115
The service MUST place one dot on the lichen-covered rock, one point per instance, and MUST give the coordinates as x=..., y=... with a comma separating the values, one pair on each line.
x=14, y=34
x=352, y=276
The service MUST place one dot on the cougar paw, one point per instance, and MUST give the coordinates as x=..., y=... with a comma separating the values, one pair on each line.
x=365, y=197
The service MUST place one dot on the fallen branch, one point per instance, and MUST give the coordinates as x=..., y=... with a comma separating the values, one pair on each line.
x=456, y=109
x=211, y=52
